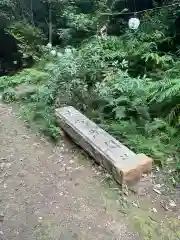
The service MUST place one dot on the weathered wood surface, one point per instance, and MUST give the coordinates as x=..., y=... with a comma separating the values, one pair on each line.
x=121, y=162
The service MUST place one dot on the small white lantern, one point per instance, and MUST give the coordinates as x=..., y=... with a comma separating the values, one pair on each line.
x=134, y=23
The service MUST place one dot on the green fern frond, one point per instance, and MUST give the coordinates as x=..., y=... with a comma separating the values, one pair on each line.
x=174, y=114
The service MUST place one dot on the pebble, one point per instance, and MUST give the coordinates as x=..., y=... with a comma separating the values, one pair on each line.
x=134, y=204
x=71, y=161
x=8, y=165
x=172, y=204
x=154, y=210
x=1, y=232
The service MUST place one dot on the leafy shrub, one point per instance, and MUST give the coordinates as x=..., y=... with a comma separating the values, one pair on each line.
x=166, y=93
x=96, y=80
x=128, y=84
x=32, y=90
x=41, y=117
x=32, y=76
x=30, y=38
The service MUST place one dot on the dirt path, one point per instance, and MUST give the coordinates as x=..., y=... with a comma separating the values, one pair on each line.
x=46, y=194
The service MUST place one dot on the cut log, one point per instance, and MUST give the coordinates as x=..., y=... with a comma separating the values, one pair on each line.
x=121, y=162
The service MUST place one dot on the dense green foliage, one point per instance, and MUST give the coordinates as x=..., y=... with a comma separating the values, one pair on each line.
x=128, y=83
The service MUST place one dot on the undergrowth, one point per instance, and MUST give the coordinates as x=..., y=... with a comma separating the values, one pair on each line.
x=32, y=90
x=129, y=85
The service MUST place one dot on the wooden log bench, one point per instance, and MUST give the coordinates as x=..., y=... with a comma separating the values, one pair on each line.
x=121, y=162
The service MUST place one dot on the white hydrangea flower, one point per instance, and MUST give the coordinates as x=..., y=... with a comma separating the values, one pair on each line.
x=53, y=52
x=49, y=45
x=68, y=50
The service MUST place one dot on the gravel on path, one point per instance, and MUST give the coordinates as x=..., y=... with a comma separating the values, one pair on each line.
x=47, y=194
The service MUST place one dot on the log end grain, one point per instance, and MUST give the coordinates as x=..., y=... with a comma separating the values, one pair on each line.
x=133, y=174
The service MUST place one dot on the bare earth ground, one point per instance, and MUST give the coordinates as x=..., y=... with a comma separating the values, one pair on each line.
x=46, y=193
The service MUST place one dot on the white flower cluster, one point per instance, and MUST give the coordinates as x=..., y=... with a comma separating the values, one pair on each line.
x=54, y=52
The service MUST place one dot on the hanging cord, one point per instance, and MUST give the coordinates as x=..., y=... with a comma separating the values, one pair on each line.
x=136, y=12
x=135, y=7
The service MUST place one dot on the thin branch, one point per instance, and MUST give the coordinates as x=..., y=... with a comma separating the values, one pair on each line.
x=50, y=22
x=146, y=10
x=32, y=14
